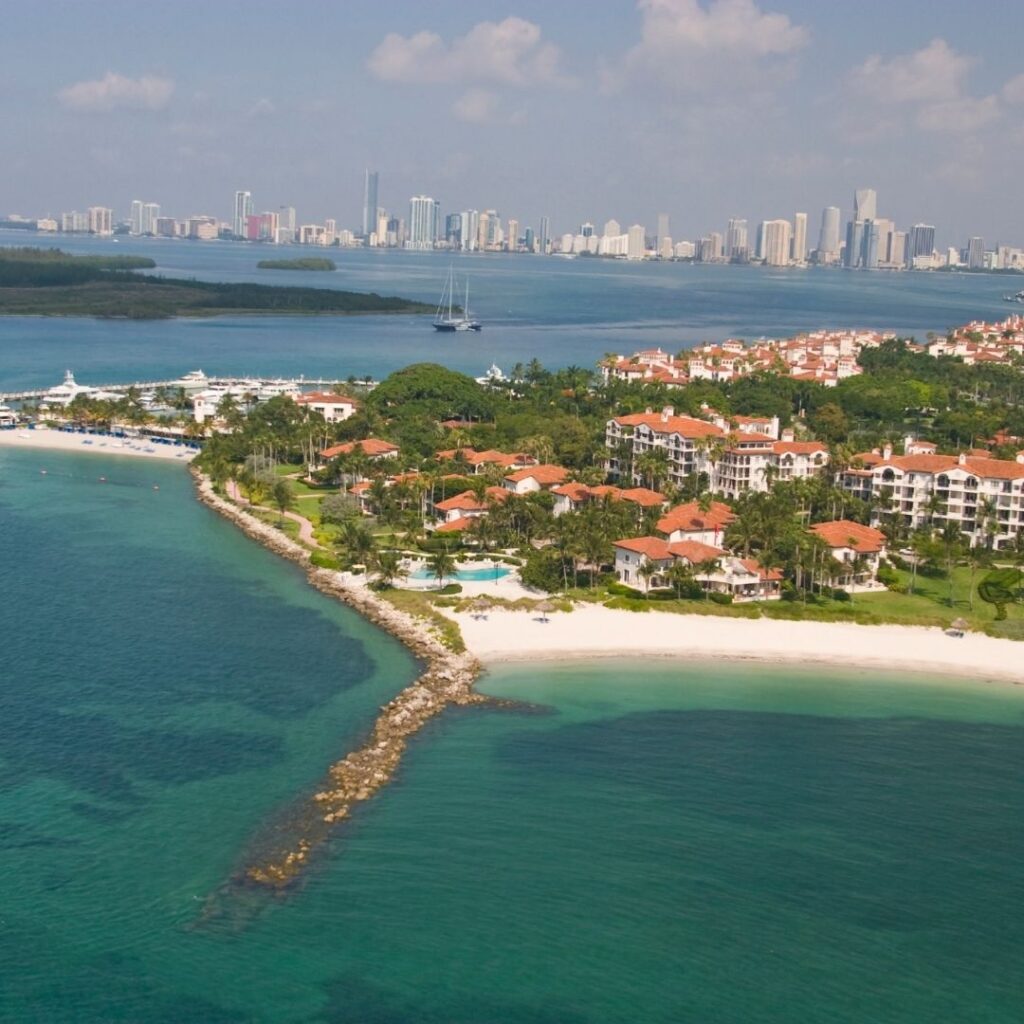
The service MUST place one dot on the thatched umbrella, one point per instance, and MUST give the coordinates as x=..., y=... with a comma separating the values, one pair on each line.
x=479, y=607
x=545, y=608
x=960, y=624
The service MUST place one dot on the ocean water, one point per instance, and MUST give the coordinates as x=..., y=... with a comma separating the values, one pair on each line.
x=563, y=312
x=660, y=843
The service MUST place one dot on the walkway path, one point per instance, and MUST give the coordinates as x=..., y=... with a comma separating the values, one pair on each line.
x=305, y=526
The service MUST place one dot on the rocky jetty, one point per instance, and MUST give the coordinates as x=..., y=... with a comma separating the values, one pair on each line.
x=447, y=679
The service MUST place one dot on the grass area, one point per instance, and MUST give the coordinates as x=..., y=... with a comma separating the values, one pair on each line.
x=421, y=606
x=304, y=263
x=288, y=527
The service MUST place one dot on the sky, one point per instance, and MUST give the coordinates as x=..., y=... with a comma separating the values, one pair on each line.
x=583, y=110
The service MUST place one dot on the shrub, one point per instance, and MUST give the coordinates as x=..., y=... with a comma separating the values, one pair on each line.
x=789, y=591
x=451, y=588
x=840, y=595
x=545, y=570
x=621, y=590
x=887, y=576
x=717, y=598
x=661, y=595
x=322, y=560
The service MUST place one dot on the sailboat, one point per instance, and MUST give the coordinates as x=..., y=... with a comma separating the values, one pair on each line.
x=446, y=319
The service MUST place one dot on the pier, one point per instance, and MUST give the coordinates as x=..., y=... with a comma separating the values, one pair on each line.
x=37, y=394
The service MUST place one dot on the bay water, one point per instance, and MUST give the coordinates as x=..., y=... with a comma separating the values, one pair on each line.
x=641, y=843
x=563, y=312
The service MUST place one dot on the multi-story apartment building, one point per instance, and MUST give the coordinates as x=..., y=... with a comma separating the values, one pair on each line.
x=628, y=438
x=753, y=462
x=734, y=460
x=983, y=496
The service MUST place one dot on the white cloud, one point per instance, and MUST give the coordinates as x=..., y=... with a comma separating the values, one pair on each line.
x=964, y=114
x=1013, y=90
x=115, y=92
x=262, y=108
x=687, y=44
x=936, y=72
x=476, y=106
x=511, y=52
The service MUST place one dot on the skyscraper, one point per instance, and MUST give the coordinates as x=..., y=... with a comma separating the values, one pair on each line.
x=544, y=238
x=150, y=215
x=470, y=230
x=865, y=204
x=921, y=242
x=101, y=220
x=512, y=238
x=422, y=222
x=637, y=244
x=976, y=253
x=828, y=237
x=663, y=229
x=243, y=210
x=854, y=243
x=776, y=242
x=286, y=224
x=369, y=202
x=736, y=245
x=135, y=219
x=800, y=237
x=612, y=228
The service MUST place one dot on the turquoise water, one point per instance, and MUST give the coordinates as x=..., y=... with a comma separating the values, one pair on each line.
x=560, y=311
x=657, y=844
x=462, y=575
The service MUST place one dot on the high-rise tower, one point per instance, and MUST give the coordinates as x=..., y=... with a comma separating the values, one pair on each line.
x=369, y=202
x=243, y=210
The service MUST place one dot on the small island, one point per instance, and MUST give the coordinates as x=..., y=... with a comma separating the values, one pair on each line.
x=50, y=282
x=304, y=263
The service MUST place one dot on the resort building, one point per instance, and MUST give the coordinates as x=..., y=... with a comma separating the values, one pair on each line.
x=478, y=462
x=535, y=478
x=333, y=408
x=643, y=563
x=983, y=496
x=372, y=447
x=8, y=418
x=458, y=512
x=571, y=497
x=858, y=549
x=691, y=522
x=752, y=462
x=685, y=441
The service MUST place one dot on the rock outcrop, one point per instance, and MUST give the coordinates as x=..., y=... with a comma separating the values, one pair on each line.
x=447, y=679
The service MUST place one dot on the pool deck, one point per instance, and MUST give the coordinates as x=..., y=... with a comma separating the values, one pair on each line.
x=507, y=586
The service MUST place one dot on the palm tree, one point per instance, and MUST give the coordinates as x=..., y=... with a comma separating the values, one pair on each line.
x=648, y=570
x=653, y=467
x=388, y=566
x=680, y=574
x=441, y=564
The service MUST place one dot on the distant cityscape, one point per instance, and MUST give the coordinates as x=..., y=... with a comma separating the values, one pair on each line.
x=867, y=241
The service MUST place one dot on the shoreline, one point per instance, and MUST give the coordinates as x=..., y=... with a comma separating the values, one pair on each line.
x=44, y=439
x=600, y=634
x=446, y=678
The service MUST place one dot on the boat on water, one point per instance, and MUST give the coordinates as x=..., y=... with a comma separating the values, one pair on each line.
x=446, y=319
x=1018, y=297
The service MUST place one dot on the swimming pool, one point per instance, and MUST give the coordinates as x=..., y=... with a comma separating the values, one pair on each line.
x=490, y=572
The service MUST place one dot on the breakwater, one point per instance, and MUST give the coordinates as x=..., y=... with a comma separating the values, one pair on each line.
x=447, y=678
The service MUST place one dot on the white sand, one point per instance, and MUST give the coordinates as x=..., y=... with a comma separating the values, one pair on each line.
x=595, y=632
x=57, y=440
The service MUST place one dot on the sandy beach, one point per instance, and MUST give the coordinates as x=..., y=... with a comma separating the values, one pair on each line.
x=43, y=439
x=595, y=632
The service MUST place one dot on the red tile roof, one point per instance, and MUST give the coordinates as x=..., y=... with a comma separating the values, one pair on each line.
x=372, y=446
x=695, y=552
x=543, y=474
x=653, y=548
x=467, y=501
x=323, y=398
x=686, y=426
x=844, y=533
x=690, y=519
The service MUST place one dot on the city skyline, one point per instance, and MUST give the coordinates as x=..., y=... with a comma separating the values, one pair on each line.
x=673, y=106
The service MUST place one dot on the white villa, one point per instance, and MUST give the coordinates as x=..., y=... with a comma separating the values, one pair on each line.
x=333, y=408
x=535, y=478
x=717, y=571
x=859, y=549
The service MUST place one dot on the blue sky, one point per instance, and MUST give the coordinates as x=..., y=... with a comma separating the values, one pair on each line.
x=583, y=110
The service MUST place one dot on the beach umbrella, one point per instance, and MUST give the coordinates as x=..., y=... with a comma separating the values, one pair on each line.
x=545, y=608
x=479, y=607
x=960, y=624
